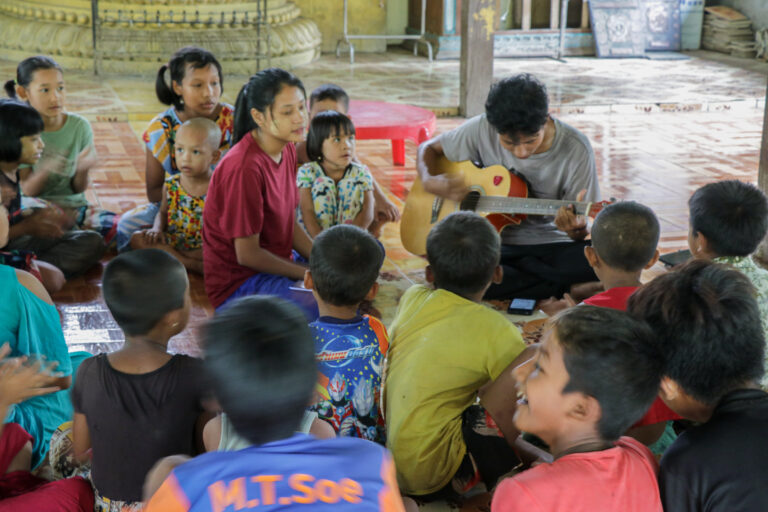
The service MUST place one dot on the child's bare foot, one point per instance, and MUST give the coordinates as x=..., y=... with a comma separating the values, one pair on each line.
x=581, y=291
x=552, y=306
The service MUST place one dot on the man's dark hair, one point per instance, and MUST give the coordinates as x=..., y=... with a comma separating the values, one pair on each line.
x=17, y=120
x=733, y=215
x=463, y=250
x=611, y=357
x=326, y=124
x=708, y=327
x=329, y=92
x=140, y=287
x=625, y=235
x=517, y=105
x=345, y=263
x=260, y=359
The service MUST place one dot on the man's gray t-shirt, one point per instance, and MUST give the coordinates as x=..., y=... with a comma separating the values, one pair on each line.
x=561, y=172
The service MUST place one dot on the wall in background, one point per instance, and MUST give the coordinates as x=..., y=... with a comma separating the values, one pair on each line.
x=365, y=17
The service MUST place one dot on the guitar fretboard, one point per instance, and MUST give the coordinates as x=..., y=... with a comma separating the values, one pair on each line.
x=515, y=205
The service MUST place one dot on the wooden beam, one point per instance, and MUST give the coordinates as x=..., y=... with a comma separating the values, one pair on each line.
x=526, y=25
x=554, y=14
x=762, y=173
x=478, y=24
x=585, y=14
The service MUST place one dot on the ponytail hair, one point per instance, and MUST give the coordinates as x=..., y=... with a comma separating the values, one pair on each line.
x=25, y=72
x=198, y=58
x=259, y=93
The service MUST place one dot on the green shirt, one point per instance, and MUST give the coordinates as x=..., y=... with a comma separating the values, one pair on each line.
x=759, y=278
x=67, y=142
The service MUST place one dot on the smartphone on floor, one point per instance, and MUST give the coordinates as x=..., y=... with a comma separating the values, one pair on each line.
x=521, y=307
x=673, y=259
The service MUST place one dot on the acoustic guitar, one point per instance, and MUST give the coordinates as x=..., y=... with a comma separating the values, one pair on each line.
x=493, y=191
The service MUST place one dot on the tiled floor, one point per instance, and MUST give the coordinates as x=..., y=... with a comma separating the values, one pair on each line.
x=659, y=129
x=706, y=81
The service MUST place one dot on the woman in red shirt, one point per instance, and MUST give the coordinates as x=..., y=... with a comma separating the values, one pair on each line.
x=250, y=233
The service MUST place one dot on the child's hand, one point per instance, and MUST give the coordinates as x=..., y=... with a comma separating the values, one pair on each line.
x=53, y=162
x=20, y=380
x=154, y=237
x=87, y=161
x=386, y=211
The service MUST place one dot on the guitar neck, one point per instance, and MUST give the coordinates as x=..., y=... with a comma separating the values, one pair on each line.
x=528, y=206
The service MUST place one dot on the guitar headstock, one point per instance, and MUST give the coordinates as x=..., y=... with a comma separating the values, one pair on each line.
x=595, y=208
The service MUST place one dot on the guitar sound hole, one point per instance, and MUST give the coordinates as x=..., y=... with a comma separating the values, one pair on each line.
x=470, y=201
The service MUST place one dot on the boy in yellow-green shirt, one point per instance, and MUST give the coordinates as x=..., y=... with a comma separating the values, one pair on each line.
x=444, y=347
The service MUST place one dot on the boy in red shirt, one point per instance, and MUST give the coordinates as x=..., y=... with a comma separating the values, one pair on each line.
x=624, y=240
x=595, y=373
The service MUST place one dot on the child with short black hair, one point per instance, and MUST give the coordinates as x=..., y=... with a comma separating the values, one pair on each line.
x=597, y=370
x=444, y=347
x=333, y=188
x=140, y=403
x=728, y=220
x=350, y=348
x=43, y=232
x=708, y=326
x=624, y=240
x=258, y=344
x=328, y=97
x=178, y=227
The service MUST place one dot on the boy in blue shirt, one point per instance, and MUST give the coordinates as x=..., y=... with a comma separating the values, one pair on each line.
x=260, y=361
x=349, y=347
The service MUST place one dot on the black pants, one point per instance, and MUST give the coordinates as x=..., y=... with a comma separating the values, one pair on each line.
x=488, y=457
x=541, y=271
x=73, y=253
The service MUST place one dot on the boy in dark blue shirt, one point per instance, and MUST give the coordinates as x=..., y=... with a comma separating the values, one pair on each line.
x=707, y=323
x=350, y=348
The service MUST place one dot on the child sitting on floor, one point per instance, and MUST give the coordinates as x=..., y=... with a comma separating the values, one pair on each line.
x=333, y=97
x=444, y=347
x=44, y=231
x=61, y=176
x=624, y=240
x=333, y=188
x=707, y=324
x=728, y=220
x=349, y=348
x=140, y=403
x=259, y=356
x=178, y=227
x=595, y=373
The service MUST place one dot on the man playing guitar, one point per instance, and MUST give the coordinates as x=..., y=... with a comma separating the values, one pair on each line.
x=541, y=257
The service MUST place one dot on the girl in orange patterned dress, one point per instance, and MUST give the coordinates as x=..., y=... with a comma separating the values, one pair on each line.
x=179, y=222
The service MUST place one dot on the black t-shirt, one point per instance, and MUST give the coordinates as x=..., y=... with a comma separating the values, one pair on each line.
x=720, y=466
x=134, y=420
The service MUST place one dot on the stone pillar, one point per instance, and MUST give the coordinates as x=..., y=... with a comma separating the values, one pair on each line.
x=478, y=23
